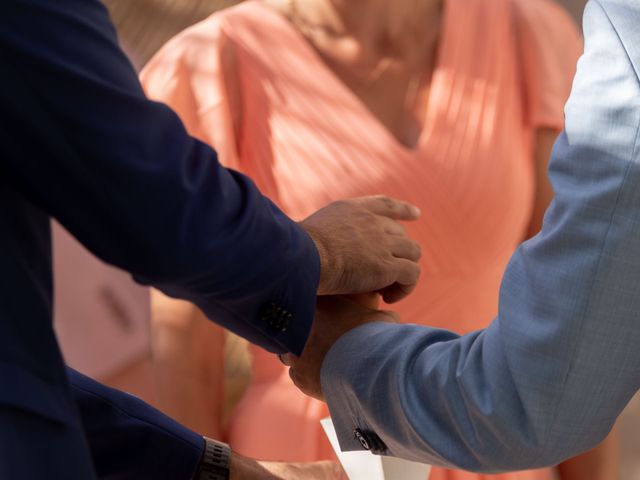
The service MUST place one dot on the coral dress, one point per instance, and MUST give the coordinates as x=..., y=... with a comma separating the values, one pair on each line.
x=246, y=82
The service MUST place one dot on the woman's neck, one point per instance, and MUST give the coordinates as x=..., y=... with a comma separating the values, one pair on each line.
x=370, y=29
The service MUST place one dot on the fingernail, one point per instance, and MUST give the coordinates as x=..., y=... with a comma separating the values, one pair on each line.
x=415, y=211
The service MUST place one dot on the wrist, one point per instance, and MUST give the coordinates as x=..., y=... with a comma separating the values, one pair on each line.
x=235, y=466
x=243, y=468
x=326, y=262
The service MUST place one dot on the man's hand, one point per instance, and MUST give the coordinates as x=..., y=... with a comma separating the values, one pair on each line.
x=242, y=468
x=335, y=316
x=364, y=249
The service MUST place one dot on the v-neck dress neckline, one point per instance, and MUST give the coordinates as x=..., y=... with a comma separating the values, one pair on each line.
x=337, y=84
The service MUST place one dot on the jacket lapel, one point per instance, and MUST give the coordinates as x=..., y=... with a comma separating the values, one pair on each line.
x=625, y=18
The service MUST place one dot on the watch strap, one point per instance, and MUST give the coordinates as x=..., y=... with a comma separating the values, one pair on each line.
x=215, y=461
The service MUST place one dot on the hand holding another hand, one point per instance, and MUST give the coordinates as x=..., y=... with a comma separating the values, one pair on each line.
x=364, y=249
x=335, y=316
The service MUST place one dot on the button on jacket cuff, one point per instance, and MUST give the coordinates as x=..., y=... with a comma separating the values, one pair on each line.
x=287, y=318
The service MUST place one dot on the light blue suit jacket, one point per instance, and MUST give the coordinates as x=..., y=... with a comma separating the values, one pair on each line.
x=547, y=379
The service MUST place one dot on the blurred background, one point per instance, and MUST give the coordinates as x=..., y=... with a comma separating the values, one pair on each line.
x=123, y=313
x=145, y=25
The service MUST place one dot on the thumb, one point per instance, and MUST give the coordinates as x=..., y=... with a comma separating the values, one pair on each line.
x=390, y=207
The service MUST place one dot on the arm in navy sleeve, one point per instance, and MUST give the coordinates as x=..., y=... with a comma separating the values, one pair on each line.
x=547, y=379
x=122, y=175
x=129, y=439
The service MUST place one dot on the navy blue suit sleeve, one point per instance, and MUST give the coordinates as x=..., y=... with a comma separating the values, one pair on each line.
x=129, y=439
x=122, y=175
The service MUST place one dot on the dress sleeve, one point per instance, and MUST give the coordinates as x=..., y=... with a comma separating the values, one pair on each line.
x=195, y=74
x=548, y=47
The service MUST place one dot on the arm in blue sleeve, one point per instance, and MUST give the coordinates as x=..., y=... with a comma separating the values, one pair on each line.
x=547, y=379
x=120, y=173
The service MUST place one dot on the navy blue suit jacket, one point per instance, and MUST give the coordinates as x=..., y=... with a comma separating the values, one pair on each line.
x=81, y=143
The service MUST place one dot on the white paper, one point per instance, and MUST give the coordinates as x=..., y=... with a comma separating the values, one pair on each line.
x=363, y=465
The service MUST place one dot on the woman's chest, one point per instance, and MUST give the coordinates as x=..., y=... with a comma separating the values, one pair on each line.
x=308, y=139
x=471, y=172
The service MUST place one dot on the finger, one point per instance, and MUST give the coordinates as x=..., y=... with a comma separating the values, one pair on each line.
x=390, y=207
x=386, y=316
x=396, y=292
x=392, y=227
x=389, y=316
x=402, y=247
x=407, y=274
x=333, y=469
x=337, y=472
x=298, y=381
x=294, y=377
x=286, y=359
x=369, y=300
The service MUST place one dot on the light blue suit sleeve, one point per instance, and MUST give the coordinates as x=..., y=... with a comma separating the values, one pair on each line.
x=547, y=379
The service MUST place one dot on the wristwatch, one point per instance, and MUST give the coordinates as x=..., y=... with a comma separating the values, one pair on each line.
x=214, y=464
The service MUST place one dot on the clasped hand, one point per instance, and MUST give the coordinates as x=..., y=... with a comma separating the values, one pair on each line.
x=363, y=250
x=335, y=316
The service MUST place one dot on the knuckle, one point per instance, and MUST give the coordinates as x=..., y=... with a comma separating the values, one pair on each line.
x=388, y=202
x=342, y=204
x=394, y=226
x=288, y=359
x=380, y=272
x=361, y=201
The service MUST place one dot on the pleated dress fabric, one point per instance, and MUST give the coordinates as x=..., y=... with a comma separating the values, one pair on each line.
x=248, y=83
